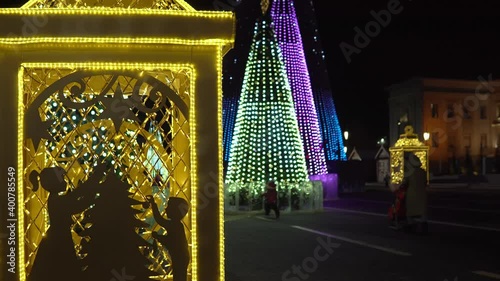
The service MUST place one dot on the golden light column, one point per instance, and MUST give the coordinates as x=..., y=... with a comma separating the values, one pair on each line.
x=101, y=70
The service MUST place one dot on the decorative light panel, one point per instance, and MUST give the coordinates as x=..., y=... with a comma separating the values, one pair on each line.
x=105, y=138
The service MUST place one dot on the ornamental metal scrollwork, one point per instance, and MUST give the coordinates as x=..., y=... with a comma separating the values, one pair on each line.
x=118, y=134
x=72, y=91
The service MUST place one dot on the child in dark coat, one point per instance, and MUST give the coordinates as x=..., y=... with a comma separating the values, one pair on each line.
x=271, y=199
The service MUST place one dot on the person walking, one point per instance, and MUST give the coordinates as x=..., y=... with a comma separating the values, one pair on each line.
x=271, y=199
x=415, y=182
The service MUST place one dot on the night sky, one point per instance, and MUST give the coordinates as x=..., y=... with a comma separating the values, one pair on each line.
x=438, y=39
x=427, y=38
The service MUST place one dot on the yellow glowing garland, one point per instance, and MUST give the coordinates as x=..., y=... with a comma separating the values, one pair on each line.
x=110, y=66
x=31, y=9
x=408, y=142
x=37, y=4
x=105, y=11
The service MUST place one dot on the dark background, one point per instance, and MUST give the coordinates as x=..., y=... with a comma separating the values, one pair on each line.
x=429, y=38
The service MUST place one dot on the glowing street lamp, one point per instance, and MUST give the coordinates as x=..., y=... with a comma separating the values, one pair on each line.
x=426, y=136
x=346, y=137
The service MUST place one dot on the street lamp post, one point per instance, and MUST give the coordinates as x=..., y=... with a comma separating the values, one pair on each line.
x=426, y=136
x=346, y=137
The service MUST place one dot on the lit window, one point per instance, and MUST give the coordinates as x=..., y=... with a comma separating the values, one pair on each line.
x=466, y=141
x=434, y=110
x=466, y=112
x=451, y=143
x=484, y=140
x=451, y=111
x=482, y=112
x=435, y=139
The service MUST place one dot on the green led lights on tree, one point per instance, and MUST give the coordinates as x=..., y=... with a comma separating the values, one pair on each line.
x=266, y=141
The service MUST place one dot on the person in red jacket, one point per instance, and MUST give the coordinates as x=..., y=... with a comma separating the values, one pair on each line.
x=271, y=199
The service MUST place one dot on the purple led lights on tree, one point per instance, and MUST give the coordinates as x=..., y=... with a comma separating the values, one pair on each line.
x=331, y=131
x=288, y=33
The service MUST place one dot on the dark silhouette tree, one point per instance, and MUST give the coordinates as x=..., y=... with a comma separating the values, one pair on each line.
x=112, y=246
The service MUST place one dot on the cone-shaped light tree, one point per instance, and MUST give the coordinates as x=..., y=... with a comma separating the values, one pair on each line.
x=333, y=143
x=331, y=131
x=290, y=40
x=266, y=142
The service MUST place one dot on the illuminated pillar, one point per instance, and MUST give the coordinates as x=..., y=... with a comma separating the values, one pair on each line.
x=81, y=87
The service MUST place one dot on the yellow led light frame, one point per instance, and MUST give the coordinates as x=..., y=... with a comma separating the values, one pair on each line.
x=407, y=142
x=136, y=66
x=112, y=11
x=397, y=161
x=33, y=4
x=94, y=41
x=221, y=157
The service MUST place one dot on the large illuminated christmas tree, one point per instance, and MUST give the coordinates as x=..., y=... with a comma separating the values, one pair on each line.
x=331, y=132
x=290, y=41
x=266, y=142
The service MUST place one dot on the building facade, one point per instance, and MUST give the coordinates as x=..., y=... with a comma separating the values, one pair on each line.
x=461, y=117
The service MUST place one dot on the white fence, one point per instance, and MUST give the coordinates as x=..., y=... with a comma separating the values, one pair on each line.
x=291, y=196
